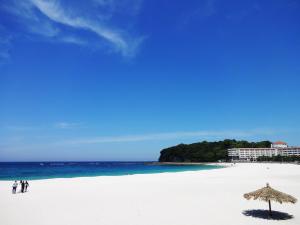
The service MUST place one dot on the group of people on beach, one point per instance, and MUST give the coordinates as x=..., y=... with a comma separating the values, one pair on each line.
x=24, y=185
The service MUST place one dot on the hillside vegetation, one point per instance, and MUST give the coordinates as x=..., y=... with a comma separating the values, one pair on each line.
x=206, y=151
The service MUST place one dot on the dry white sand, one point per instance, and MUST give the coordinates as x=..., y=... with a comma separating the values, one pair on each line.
x=185, y=198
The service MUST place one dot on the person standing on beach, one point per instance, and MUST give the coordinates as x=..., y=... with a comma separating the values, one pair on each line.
x=15, y=185
x=22, y=186
x=26, y=186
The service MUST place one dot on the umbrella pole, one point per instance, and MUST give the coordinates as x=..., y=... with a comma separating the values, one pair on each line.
x=270, y=210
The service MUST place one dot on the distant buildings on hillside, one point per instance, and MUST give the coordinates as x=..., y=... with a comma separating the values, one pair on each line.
x=277, y=148
x=279, y=144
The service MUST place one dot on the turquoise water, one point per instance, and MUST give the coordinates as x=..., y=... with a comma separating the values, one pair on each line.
x=48, y=170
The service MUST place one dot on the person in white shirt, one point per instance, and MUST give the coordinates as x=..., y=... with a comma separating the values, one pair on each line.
x=15, y=185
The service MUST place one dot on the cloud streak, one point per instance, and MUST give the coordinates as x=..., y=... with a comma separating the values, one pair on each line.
x=5, y=44
x=55, y=12
x=169, y=136
x=205, y=9
x=66, y=125
x=57, y=21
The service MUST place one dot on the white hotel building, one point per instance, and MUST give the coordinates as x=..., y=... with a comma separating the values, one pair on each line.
x=277, y=148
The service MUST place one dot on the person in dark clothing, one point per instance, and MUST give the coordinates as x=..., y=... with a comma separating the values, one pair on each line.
x=22, y=186
x=26, y=185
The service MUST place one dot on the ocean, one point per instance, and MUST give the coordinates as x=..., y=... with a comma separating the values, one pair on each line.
x=48, y=170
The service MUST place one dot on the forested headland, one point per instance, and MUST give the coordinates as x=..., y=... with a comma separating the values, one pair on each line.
x=206, y=151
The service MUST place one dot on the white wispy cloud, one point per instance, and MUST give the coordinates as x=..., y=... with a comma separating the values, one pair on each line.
x=63, y=22
x=26, y=128
x=66, y=125
x=205, y=9
x=56, y=13
x=169, y=136
x=17, y=128
x=4, y=55
x=73, y=40
x=5, y=44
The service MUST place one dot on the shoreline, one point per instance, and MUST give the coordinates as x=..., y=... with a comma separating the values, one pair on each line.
x=219, y=164
x=178, y=163
x=67, y=171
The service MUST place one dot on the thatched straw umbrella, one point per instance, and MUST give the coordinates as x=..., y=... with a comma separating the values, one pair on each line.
x=269, y=194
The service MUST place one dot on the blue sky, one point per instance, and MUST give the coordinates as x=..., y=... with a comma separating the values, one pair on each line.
x=122, y=79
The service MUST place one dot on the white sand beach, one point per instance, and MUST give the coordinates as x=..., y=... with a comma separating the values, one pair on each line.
x=210, y=197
